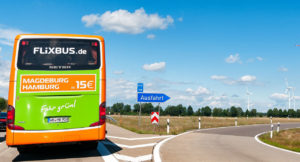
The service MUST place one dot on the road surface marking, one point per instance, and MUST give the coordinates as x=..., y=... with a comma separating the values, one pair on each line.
x=106, y=155
x=261, y=142
x=141, y=138
x=156, y=154
x=128, y=146
x=135, y=159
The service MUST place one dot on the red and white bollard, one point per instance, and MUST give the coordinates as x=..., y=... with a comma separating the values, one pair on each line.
x=235, y=122
x=271, y=133
x=199, y=123
x=168, y=126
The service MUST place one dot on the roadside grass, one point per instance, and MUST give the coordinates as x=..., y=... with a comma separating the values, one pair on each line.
x=286, y=139
x=183, y=124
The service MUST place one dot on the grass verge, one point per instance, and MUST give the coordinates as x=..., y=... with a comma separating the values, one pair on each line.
x=183, y=124
x=286, y=139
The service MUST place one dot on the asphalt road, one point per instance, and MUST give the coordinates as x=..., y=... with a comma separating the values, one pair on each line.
x=120, y=145
x=225, y=144
x=54, y=153
x=221, y=144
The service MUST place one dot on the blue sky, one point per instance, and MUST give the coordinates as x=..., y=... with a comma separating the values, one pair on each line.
x=197, y=52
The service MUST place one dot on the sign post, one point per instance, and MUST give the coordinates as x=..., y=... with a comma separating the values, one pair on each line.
x=154, y=117
x=149, y=97
x=152, y=97
x=140, y=89
x=158, y=108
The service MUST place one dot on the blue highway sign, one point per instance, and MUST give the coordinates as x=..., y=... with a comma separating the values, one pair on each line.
x=140, y=87
x=152, y=97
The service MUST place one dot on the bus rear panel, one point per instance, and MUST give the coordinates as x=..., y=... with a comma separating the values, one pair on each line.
x=57, y=90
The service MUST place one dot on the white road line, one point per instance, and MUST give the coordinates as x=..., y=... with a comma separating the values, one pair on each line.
x=156, y=154
x=106, y=155
x=134, y=159
x=141, y=138
x=128, y=146
x=261, y=142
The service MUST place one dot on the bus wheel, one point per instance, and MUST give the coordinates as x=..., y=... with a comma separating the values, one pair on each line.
x=23, y=149
x=90, y=145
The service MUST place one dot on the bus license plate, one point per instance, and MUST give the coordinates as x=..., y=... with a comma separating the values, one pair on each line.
x=58, y=120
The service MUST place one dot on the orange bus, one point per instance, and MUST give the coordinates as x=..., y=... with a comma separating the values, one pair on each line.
x=57, y=90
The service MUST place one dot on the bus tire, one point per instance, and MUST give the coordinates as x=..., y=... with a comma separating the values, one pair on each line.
x=90, y=145
x=23, y=150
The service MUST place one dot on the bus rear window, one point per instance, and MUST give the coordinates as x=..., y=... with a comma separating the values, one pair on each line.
x=58, y=54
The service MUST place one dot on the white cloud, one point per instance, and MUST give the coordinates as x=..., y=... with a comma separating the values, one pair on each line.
x=218, y=77
x=4, y=77
x=283, y=69
x=216, y=98
x=279, y=97
x=157, y=66
x=282, y=97
x=91, y=20
x=118, y=72
x=235, y=95
x=199, y=91
x=221, y=101
x=233, y=59
x=180, y=19
x=123, y=21
x=186, y=98
x=281, y=100
x=259, y=58
x=149, y=84
x=7, y=35
x=150, y=36
x=224, y=79
x=121, y=90
x=0, y=49
x=248, y=78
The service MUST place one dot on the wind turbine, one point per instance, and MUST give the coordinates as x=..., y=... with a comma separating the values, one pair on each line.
x=288, y=91
x=248, y=94
x=294, y=98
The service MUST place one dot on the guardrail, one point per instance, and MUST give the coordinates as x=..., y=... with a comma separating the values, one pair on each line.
x=111, y=118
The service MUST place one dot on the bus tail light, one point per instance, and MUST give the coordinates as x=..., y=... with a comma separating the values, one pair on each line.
x=102, y=115
x=94, y=44
x=11, y=119
x=24, y=43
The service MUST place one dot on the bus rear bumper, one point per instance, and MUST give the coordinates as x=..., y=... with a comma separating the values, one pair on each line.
x=24, y=137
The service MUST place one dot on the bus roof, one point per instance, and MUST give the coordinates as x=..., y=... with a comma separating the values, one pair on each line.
x=59, y=35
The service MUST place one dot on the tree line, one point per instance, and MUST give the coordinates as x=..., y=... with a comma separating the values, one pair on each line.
x=283, y=113
x=180, y=110
x=3, y=104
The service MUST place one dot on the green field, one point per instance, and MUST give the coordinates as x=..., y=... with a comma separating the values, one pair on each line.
x=287, y=139
x=182, y=124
